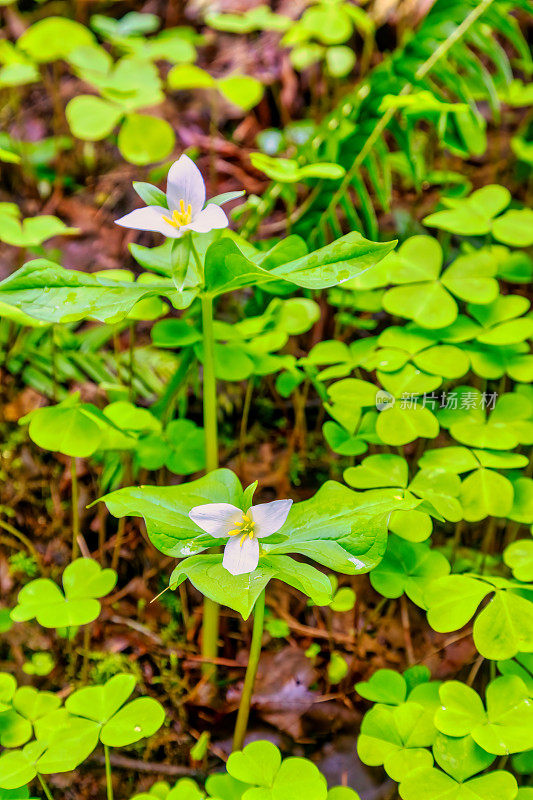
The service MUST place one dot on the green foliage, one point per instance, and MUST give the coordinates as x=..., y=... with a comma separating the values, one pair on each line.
x=257, y=771
x=435, y=738
x=351, y=541
x=65, y=737
x=241, y=91
x=440, y=77
x=459, y=328
x=503, y=626
x=84, y=582
x=73, y=295
x=477, y=215
x=32, y=231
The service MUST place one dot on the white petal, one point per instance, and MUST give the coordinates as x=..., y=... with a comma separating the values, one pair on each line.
x=149, y=218
x=211, y=218
x=185, y=183
x=269, y=517
x=217, y=519
x=239, y=559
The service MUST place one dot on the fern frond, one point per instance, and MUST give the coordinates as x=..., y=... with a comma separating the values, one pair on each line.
x=454, y=55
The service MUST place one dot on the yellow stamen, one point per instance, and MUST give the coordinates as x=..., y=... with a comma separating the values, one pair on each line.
x=244, y=528
x=181, y=217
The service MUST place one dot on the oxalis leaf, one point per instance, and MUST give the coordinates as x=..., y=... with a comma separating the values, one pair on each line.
x=26, y=706
x=83, y=582
x=502, y=628
x=395, y=738
x=505, y=727
x=259, y=764
x=118, y=723
x=432, y=784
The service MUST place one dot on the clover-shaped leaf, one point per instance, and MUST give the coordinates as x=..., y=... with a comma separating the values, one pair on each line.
x=471, y=216
x=259, y=764
x=53, y=38
x=62, y=743
x=484, y=492
x=27, y=706
x=380, y=470
x=503, y=321
x=408, y=567
x=514, y=227
x=70, y=428
x=399, y=425
x=427, y=297
x=393, y=737
x=502, y=628
x=432, y=784
x=460, y=756
x=506, y=426
x=519, y=558
x=505, y=727
x=439, y=488
x=183, y=789
x=83, y=582
x=180, y=448
x=118, y=723
x=521, y=665
x=385, y=686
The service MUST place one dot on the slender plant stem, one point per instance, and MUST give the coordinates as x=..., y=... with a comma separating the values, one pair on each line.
x=488, y=540
x=251, y=672
x=75, y=508
x=244, y=419
x=210, y=396
x=86, y=648
x=23, y=539
x=118, y=542
x=45, y=787
x=109, y=782
x=131, y=363
x=211, y=609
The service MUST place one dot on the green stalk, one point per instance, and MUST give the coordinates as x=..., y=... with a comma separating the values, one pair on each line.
x=211, y=609
x=210, y=391
x=131, y=364
x=251, y=672
x=109, y=782
x=45, y=788
x=75, y=509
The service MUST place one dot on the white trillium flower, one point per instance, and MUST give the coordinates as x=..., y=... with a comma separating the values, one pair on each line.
x=185, y=212
x=221, y=520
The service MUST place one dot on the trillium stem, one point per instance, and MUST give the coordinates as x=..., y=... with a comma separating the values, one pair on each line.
x=211, y=609
x=251, y=672
x=108, y=776
x=75, y=507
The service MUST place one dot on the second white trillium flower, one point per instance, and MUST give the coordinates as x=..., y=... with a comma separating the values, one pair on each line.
x=222, y=520
x=185, y=200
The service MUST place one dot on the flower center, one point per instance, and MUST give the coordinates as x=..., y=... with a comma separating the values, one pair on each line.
x=181, y=217
x=244, y=528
